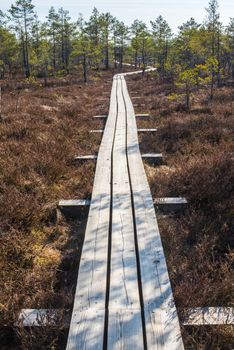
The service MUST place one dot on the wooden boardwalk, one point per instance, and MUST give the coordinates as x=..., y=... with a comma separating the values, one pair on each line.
x=123, y=298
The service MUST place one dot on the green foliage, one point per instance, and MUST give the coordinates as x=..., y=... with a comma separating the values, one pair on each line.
x=59, y=45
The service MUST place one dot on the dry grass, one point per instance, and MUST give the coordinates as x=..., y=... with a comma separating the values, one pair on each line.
x=198, y=151
x=40, y=255
x=44, y=129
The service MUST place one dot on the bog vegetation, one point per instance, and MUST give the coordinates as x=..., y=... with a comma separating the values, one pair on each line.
x=55, y=75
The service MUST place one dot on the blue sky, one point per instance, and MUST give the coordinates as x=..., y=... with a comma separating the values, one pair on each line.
x=174, y=11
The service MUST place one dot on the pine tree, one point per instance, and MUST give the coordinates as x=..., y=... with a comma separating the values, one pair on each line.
x=65, y=32
x=136, y=29
x=120, y=36
x=23, y=15
x=213, y=26
x=161, y=34
x=83, y=48
x=52, y=31
x=106, y=24
x=230, y=45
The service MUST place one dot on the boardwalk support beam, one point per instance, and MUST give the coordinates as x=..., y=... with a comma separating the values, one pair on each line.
x=74, y=208
x=172, y=204
x=99, y=131
x=147, y=130
x=153, y=158
x=85, y=158
x=198, y=316
x=100, y=116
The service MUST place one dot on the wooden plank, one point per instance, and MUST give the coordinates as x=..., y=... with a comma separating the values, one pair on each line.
x=161, y=321
x=124, y=294
x=124, y=332
x=86, y=330
x=87, y=324
x=204, y=316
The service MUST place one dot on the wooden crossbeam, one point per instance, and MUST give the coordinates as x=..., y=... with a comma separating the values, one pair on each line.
x=139, y=130
x=202, y=316
x=100, y=116
x=143, y=116
x=153, y=158
x=86, y=158
x=99, y=131
x=199, y=316
x=147, y=130
x=43, y=317
x=170, y=204
x=74, y=208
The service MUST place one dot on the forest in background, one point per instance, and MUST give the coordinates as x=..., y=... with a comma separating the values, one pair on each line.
x=199, y=53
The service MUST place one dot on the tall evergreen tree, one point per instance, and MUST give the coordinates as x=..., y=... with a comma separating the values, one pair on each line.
x=230, y=45
x=137, y=28
x=52, y=32
x=120, y=36
x=22, y=14
x=213, y=27
x=161, y=34
x=106, y=23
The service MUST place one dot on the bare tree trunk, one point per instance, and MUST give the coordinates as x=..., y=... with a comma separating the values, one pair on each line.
x=107, y=52
x=85, y=68
x=0, y=102
x=187, y=99
x=27, y=70
x=212, y=85
x=218, y=73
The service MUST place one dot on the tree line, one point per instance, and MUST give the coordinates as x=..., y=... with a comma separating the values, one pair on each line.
x=59, y=46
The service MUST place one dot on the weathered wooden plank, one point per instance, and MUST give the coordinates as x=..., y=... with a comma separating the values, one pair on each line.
x=124, y=292
x=86, y=330
x=161, y=321
x=124, y=329
x=200, y=316
x=87, y=324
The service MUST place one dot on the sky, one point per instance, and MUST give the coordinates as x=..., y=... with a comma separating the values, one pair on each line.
x=175, y=12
